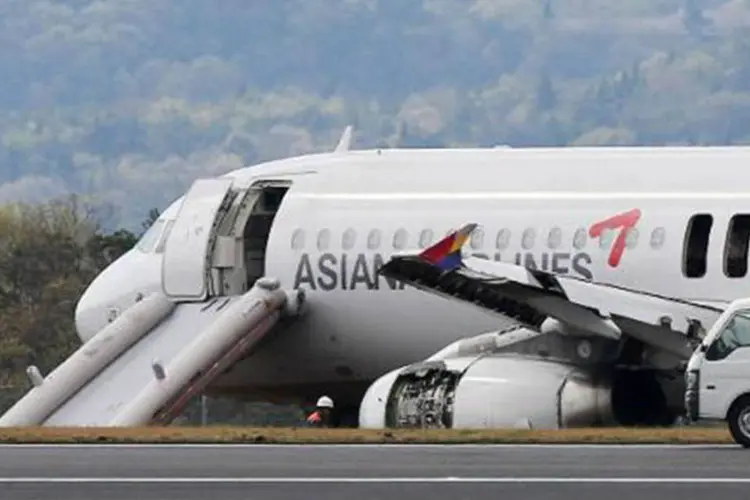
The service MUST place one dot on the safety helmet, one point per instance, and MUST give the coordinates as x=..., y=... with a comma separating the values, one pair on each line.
x=324, y=402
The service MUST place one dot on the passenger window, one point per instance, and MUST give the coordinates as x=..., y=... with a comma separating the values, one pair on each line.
x=735, y=249
x=298, y=239
x=148, y=241
x=735, y=335
x=373, y=239
x=631, y=238
x=658, y=236
x=324, y=238
x=425, y=238
x=503, y=239
x=527, y=240
x=348, y=239
x=579, y=238
x=696, y=245
x=400, y=239
x=555, y=238
x=477, y=239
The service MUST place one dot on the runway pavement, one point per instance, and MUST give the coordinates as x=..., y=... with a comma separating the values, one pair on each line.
x=229, y=472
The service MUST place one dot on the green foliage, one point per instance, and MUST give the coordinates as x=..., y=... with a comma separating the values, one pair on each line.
x=130, y=100
x=49, y=253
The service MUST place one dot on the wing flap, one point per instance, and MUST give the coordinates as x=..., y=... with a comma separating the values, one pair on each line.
x=530, y=295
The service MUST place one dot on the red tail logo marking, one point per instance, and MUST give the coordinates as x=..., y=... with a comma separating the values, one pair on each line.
x=623, y=222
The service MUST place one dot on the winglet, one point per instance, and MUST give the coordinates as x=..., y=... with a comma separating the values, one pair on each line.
x=346, y=140
x=446, y=253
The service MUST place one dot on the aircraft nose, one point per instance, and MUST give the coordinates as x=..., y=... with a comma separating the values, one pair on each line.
x=122, y=284
x=87, y=320
x=98, y=304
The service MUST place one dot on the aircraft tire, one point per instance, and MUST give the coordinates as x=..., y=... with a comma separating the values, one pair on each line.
x=738, y=419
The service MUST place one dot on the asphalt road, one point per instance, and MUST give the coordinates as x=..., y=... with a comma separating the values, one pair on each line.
x=343, y=472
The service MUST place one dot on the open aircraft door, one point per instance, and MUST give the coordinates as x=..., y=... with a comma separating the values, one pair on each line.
x=187, y=255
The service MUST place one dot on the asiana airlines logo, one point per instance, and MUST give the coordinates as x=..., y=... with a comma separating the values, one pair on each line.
x=358, y=271
x=623, y=223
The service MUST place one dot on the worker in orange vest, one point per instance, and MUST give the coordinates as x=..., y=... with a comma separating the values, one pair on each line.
x=321, y=417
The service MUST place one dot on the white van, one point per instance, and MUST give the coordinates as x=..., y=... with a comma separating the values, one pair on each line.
x=718, y=373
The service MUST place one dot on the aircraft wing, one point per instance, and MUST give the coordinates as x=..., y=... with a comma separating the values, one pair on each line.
x=531, y=296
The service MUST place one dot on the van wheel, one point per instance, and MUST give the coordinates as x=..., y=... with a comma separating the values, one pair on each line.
x=739, y=421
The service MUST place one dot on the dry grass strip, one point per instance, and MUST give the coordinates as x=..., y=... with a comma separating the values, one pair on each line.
x=229, y=435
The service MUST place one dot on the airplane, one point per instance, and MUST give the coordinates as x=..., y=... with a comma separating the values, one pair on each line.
x=660, y=233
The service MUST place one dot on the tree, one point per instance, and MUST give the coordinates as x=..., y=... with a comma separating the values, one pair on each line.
x=49, y=253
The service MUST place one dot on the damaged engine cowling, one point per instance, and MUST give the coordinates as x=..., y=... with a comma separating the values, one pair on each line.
x=495, y=391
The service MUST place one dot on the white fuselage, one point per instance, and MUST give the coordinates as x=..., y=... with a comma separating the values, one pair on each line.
x=345, y=213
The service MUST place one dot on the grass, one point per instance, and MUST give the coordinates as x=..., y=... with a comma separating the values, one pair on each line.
x=228, y=435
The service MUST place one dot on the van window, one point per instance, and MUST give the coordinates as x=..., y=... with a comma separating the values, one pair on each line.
x=735, y=335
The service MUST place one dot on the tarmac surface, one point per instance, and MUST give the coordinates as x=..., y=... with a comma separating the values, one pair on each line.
x=229, y=472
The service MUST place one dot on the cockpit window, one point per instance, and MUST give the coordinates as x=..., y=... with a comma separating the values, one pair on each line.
x=148, y=241
x=735, y=334
x=164, y=235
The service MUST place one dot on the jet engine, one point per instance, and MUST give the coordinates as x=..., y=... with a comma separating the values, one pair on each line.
x=488, y=392
x=521, y=377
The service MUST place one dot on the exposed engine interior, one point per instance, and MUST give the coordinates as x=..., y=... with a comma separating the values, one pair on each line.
x=424, y=402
